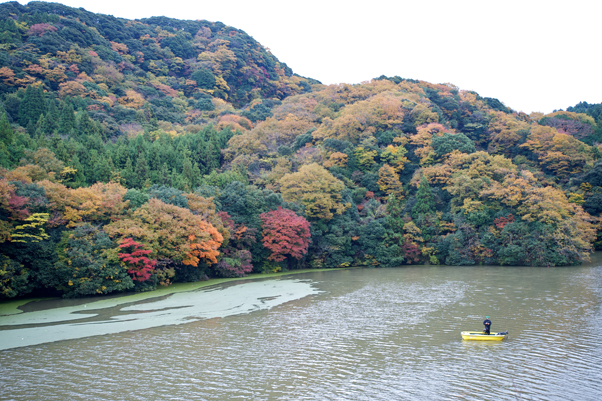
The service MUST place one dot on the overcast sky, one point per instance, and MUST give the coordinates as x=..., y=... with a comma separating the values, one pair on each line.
x=531, y=55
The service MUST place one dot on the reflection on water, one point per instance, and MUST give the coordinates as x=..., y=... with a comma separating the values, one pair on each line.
x=367, y=334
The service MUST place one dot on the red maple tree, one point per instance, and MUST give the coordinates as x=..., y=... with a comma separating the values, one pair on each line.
x=285, y=234
x=138, y=264
x=501, y=222
x=17, y=205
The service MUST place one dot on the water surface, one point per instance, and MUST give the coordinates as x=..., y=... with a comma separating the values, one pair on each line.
x=364, y=334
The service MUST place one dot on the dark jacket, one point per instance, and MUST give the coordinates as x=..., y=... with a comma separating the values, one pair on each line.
x=487, y=324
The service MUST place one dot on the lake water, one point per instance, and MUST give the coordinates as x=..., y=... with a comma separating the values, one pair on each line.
x=361, y=334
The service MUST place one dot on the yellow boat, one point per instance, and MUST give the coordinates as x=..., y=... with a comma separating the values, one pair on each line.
x=480, y=336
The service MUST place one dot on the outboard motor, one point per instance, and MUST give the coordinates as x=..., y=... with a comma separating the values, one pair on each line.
x=502, y=333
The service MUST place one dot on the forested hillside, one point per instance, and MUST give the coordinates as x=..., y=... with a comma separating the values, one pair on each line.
x=137, y=153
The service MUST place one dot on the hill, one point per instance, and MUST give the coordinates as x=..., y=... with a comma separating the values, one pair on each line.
x=141, y=152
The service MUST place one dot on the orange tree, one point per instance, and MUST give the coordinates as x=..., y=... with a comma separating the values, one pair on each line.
x=182, y=242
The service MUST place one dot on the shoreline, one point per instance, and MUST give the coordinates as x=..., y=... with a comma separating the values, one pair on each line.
x=11, y=307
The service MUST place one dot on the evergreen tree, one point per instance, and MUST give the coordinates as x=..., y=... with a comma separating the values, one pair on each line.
x=40, y=126
x=136, y=198
x=6, y=131
x=216, y=154
x=154, y=162
x=9, y=32
x=102, y=170
x=4, y=156
x=79, y=179
x=141, y=171
x=90, y=163
x=46, y=125
x=394, y=214
x=352, y=164
x=85, y=124
x=141, y=118
x=52, y=117
x=425, y=203
x=164, y=176
x=31, y=128
x=67, y=118
x=59, y=149
x=32, y=106
x=224, y=136
x=128, y=173
x=191, y=174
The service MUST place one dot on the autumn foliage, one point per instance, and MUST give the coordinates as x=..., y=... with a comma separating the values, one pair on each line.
x=285, y=234
x=135, y=257
x=173, y=232
x=204, y=247
x=138, y=153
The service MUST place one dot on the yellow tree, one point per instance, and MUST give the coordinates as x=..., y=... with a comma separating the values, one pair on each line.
x=395, y=156
x=32, y=230
x=132, y=99
x=388, y=181
x=336, y=159
x=506, y=133
x=361, y=119
x=424, y=140
x=100, y=202
x=558, y=152
x=423, y=115
x=7, y=76
x=365, y=157
x=71, y=88
x=315, y=188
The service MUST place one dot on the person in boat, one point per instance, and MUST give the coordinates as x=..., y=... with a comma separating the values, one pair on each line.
x=487, y=324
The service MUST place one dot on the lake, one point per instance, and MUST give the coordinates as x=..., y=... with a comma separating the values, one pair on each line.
x=358, y=334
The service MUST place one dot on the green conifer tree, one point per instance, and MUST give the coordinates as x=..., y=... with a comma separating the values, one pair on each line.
x=40, y=125
x=141, y=118
x=32, y=106
x=67, y=118
x=128, y=173
x=102, y=170
x=141, y=171
x=52, y=117
x=6, y=141
x=425, y=203
x=164, y=176
x=90, y=157
x=10, y=32
x=6, y=131
x=191, y=174
x=59, y=148
x=4, y=156
x=85, y=124
x=79, y=179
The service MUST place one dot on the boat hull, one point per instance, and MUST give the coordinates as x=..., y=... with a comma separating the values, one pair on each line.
x=480, y=336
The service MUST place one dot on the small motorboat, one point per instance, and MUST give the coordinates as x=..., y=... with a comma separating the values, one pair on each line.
x=481, y=336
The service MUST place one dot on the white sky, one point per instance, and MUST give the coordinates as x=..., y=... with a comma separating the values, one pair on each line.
x=532, y=55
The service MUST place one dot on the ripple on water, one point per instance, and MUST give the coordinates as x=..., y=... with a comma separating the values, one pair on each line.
x=370, y=335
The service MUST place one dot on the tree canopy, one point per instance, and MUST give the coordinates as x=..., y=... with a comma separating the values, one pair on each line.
x=138, y=153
